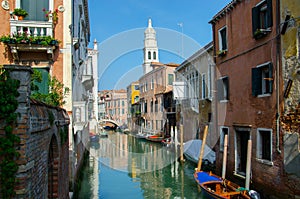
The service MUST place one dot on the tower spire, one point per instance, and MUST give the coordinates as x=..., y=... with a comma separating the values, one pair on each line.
x=150, y=47
x=149, y=23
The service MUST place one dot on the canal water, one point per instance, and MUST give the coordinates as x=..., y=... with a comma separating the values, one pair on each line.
x=122, y=166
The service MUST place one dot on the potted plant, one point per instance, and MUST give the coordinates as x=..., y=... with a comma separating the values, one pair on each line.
x=23, y=38
x=221, y=53
x=21, y=13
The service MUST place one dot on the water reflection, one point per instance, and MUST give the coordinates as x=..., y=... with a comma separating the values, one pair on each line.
x=126, y=167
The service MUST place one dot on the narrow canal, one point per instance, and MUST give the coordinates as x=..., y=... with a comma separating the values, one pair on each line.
x=122, y=166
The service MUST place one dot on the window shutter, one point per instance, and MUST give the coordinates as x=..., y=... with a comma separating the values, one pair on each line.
x=255, y=19
x=226, y=85
x=43, y=86
x=271, y=77
x=220, y=89
x=269, y=13
x=256, y=81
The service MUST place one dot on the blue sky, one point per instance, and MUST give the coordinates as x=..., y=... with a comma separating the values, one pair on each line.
x=118, y=26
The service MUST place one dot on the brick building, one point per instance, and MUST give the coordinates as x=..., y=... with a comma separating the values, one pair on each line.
x=250, y=81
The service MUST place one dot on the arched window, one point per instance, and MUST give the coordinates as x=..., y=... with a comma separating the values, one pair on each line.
x=149, y=55
x=154, y=55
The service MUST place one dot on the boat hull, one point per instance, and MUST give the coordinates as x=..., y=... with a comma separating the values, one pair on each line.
x=154, y=138
x=214, y=187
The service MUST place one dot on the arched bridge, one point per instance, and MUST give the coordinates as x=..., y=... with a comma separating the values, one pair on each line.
x=110, y=121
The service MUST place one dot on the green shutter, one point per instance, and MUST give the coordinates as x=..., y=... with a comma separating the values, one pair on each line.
x=255, y=19
x=269, y=13
x=271, y=77
x=256, y=81
x=44, y=85
x=220, y=89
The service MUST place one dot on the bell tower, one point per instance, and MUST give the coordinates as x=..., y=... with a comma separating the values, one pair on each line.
x=150, y=48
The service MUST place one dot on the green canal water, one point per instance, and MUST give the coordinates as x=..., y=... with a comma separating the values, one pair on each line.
x=122, y=166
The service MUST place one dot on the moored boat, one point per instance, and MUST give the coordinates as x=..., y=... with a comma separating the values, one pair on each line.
x=155, y=138
x=216, y=187
x=192, y=152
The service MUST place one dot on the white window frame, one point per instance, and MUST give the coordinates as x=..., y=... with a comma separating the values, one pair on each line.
x=263, y=85
x=259, y=146
x=222, y=136
x=220, y=38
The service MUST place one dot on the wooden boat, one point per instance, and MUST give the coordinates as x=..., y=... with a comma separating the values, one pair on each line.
x=154, y=138
x=216, y=187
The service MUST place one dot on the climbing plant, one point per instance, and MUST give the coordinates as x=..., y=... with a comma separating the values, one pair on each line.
x=8, y=140
x=57, y=91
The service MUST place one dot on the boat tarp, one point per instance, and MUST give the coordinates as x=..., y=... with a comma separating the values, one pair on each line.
x=205, y=177
x=192, y=149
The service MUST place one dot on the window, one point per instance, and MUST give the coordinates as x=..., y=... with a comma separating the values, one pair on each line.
x=154, y=55
x=262, y=18
x=43, y=86
x=223, y=39
x=156, y=105
x=151, y=106
x=170, y=79
x=149, y=55
x=145, y=107
x=136, y=99
x=136, y=87
x=262, y=80
x=223, y=131
x=203, y=87
x=152, y=83
x=35, y=9
x=264, y=144
x=223, y=88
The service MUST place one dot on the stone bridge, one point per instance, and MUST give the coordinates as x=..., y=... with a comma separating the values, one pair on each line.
x=110, y=121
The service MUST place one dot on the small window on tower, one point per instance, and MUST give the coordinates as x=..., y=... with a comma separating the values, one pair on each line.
x=154, y=55
x=149, y=55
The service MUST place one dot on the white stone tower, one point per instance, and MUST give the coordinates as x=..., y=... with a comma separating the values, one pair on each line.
x=150, y=48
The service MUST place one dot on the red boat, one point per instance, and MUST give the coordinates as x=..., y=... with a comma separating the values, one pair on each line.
x=155, y=138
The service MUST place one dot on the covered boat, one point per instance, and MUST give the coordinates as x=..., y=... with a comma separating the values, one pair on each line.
x=192, y=151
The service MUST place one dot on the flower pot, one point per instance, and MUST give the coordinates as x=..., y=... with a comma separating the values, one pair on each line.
x=20, y=17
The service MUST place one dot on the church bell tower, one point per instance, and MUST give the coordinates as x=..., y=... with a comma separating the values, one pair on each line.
x=150, y=48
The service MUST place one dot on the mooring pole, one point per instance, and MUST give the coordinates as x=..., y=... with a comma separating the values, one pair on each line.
x=202, y=148
x=248, y=166
x=224, y=156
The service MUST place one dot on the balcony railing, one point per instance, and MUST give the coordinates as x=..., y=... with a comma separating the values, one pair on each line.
x=33, y=28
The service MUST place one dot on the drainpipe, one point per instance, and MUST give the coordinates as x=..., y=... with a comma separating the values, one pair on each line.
x=278, y=38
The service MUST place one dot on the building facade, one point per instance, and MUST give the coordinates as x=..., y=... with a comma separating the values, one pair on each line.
x=250, y=95
x=133, y=98
x=152, y=87
x=115, y=105
x=92, y=62
x=196, y=106
x=82, y=87
x=33, y=43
